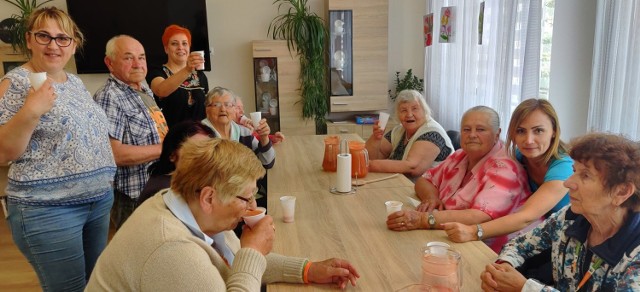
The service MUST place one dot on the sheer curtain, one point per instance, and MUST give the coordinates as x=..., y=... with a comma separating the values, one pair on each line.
x=499, y=73
x=614, y=104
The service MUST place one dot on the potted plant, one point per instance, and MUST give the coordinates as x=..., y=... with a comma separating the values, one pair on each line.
x=409, y=81
x=19, y=28
x=305, y=34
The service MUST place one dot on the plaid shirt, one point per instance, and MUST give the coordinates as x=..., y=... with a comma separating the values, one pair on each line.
x=130, y=123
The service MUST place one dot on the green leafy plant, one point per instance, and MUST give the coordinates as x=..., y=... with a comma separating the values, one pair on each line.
x=409, y=81
x=306, y=33
x=19, y=29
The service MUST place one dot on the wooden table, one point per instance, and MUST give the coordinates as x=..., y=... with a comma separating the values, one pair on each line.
x=352, y=226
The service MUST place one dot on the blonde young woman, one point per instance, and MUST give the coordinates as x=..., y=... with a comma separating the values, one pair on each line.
x=60, y=182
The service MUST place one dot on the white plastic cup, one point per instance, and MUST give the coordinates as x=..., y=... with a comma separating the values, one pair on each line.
x=288, y=208
x=37, y=79
x=252, y=217
x=201, y=53
x=383, y=118
x=255, y=118
x=393, y=206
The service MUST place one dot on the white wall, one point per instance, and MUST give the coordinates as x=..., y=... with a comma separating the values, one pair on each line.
x=571, y=62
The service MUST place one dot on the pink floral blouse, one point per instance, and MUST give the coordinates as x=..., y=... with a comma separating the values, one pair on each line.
x=497, y=186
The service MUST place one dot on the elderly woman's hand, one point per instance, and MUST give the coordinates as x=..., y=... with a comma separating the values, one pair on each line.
x=502, y=277
x=459, y=232
x=405, y=220
x=430, y=204
x=334, y=270
x=259, y=237
x=377, y=131
x=263, y=131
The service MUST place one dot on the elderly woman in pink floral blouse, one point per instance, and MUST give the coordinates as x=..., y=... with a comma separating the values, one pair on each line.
x=476, y=184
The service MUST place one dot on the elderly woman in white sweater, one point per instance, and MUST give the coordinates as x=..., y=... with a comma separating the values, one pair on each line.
x=181, y=240
x=412, y=147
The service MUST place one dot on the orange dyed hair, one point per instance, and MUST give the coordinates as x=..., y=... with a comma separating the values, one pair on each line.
x=172, y=30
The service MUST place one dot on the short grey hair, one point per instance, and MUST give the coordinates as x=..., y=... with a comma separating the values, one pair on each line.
x=409, y=95
x=494, y=118
x=218, y=92
x=110, y=48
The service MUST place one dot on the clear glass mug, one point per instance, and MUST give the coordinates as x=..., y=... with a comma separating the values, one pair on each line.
x=441, y=268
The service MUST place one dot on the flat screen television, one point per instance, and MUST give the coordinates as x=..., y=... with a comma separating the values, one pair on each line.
x=145, y=20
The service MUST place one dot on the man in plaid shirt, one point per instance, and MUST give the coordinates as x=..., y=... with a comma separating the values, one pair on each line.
x=136, y=124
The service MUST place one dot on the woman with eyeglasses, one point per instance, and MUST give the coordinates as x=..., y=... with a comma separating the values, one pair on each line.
x=221, y=113
x=60, y=179
x=181, y=239
x=179, y=89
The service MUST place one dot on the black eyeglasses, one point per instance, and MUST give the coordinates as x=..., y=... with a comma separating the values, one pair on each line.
x=250, y=199
x=45, y=39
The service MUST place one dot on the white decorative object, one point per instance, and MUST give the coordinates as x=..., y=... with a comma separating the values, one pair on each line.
x=338, y=60
x=338, y=26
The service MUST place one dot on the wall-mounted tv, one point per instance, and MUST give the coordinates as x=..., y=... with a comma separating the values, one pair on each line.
x=145, y=20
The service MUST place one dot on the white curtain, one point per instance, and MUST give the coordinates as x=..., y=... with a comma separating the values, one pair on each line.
x=499, y=73
x=614, y=105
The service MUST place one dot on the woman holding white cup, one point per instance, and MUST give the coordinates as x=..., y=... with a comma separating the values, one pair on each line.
x=412, y=147
x=178, y=86
x=59, y=190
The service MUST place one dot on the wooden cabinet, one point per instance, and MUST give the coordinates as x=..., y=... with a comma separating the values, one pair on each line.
x=289, y=105
x=370, y=62
x=350, y=127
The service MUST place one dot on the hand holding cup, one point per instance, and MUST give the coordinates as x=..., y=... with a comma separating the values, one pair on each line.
x=197, y=60
x=259, y=237
x=42, y=100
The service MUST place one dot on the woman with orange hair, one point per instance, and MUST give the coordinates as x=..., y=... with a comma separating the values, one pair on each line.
x=178, y=88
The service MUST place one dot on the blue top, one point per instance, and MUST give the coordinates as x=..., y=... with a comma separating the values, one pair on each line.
x=68, y=159
x=559, y=169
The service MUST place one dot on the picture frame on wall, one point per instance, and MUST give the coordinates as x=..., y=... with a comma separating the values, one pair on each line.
x=10, y=65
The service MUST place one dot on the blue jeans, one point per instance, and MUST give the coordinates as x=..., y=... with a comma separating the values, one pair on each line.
x=62, y=243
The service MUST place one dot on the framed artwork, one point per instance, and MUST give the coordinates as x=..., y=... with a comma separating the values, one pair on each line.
x=10, y=65
x=447, y=24
x=428, y=29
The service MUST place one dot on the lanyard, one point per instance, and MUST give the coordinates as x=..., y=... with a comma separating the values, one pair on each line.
x=592, y=267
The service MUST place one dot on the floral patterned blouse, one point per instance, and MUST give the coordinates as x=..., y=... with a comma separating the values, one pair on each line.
x=497, y=185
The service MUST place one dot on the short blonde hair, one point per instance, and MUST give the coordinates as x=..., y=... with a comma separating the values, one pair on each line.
x=39, y=17
x=225, y=165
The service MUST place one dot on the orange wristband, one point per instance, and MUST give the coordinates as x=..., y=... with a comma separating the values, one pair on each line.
x=305, y=273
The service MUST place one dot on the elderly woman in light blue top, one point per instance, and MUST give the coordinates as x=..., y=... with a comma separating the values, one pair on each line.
x=59, y=189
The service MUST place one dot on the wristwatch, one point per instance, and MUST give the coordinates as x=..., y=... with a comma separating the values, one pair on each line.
x=432, y=220
x=480, y=232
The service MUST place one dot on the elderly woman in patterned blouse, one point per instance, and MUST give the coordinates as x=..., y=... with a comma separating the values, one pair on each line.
x=595, y=242
x=476, y=184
